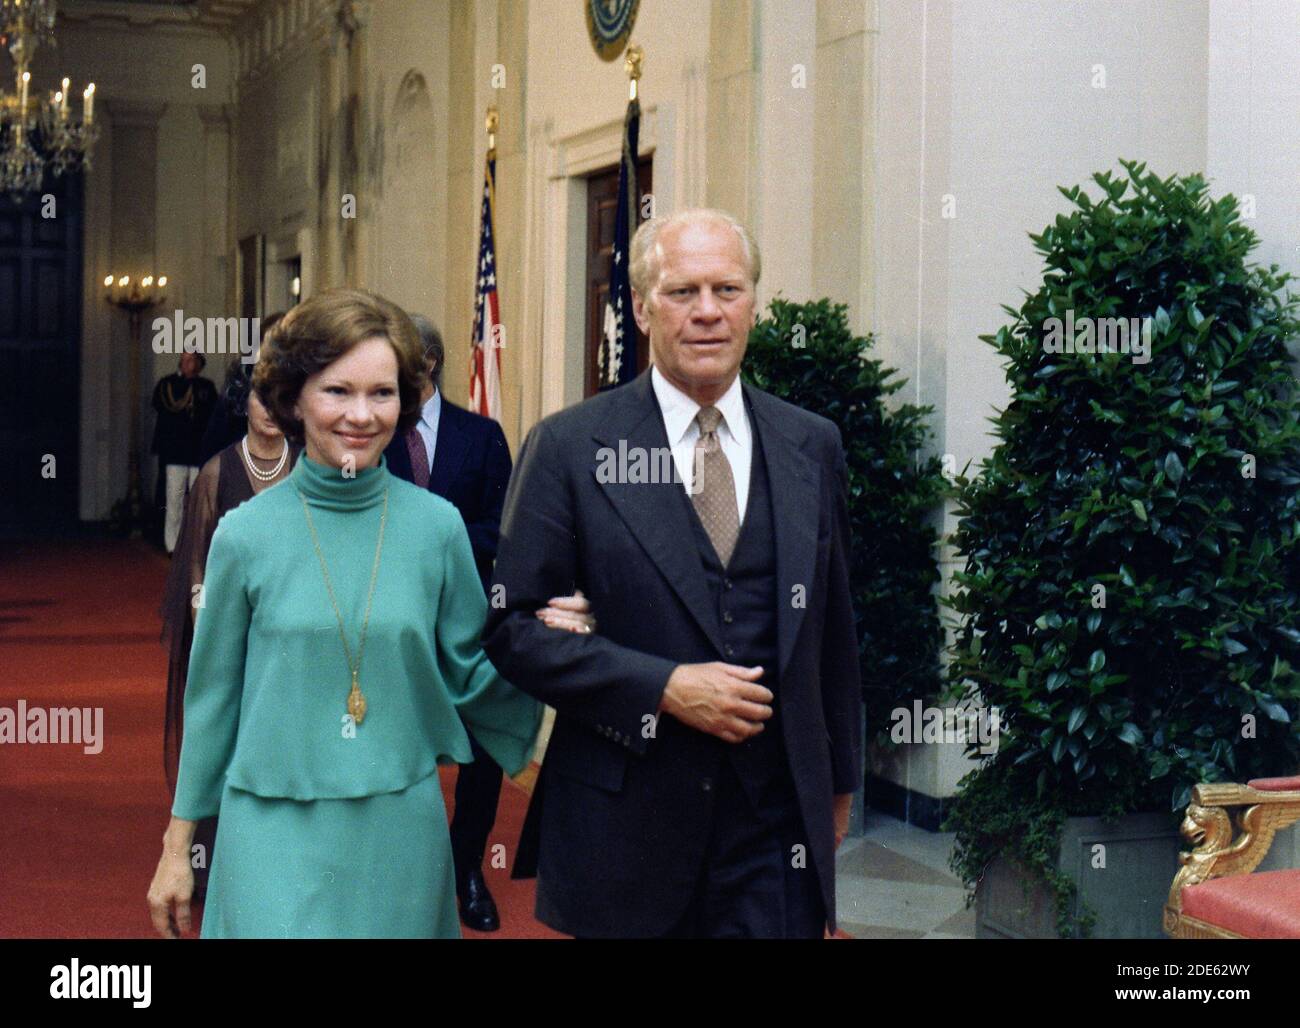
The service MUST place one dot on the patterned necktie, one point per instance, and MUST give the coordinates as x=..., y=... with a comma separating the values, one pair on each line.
x=713, y=489
x=419, y=458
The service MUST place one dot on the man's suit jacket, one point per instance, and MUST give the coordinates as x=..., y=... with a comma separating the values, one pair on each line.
x=471, y=467
x=623, y=802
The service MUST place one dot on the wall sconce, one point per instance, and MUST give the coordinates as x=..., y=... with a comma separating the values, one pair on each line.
x=135, y=297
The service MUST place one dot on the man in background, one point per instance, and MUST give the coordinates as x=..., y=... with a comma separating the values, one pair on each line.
x=464, y=458
x=184, y=402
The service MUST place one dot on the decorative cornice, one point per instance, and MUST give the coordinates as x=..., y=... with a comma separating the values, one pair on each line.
x=280, y=30
x=202, y=16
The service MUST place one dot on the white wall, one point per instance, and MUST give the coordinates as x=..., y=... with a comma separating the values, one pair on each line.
x=1253, y=146
x=406, y=258
x=570, y=87
x=990, y=105
x=1009, y=112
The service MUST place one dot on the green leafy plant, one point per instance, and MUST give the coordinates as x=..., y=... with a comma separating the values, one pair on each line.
x=1129, y=598
x=807, y=354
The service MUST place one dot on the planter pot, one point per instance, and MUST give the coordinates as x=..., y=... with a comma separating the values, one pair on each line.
x=1127, y=892
x=1127, y=895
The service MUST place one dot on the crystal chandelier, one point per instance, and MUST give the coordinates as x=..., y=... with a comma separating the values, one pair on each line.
x=44, y=133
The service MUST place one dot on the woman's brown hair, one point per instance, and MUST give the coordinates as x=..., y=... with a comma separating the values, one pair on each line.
x=318, y=332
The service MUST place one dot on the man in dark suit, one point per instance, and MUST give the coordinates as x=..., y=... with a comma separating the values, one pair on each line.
x=708, y=736
x=464, y=458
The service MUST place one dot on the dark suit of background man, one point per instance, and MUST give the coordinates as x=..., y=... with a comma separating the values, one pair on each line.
x=708, y=738
x=464, y=458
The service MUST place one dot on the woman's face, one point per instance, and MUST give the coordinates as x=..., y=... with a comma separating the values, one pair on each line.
x=349, y=409
x=259, y=420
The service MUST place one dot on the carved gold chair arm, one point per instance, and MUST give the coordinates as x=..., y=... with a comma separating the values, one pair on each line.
x=1215, y=852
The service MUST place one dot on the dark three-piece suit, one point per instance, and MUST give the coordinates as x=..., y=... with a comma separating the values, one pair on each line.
x=633, y=813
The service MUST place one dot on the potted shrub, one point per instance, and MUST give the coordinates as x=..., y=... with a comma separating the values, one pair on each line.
x=1129, y=597
x=807, y=354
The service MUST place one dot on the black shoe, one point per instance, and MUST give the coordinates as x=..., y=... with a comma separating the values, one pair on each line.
x=477, y=909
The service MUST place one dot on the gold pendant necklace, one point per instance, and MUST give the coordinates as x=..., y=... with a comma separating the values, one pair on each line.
x=356, y=699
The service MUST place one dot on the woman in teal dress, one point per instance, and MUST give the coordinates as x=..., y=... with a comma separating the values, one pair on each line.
x=335, y=664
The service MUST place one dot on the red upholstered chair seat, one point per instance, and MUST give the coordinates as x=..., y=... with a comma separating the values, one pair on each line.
x=1275, y=784
x=1263, y=905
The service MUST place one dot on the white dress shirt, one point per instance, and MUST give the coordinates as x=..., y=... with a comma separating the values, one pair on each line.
x=427, y=426
x=679, y=412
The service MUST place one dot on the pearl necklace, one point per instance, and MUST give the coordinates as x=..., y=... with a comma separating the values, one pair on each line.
x=265, y=476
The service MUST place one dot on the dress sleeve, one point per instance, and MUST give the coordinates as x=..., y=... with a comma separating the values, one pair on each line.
x=178, y=608
x=216, y=680
x=504, y=720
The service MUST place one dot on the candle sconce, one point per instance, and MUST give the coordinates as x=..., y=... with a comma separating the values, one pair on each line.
x=135, y=297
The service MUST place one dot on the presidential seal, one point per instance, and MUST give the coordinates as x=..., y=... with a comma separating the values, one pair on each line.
x=609, y=23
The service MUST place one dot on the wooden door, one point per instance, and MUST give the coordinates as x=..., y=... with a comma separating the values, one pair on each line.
x=40, y=354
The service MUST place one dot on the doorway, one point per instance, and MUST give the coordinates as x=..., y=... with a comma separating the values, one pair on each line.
x=40, y=352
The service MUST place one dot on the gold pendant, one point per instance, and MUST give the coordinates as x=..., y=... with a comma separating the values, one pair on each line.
x=356, y=702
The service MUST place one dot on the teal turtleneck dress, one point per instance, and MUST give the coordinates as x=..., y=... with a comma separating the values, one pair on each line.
x=328, y=828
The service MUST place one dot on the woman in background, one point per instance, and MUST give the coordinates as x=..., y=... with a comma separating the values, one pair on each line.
x=229, y=419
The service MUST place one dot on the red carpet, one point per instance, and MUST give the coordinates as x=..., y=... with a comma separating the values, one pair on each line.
x=81, y=833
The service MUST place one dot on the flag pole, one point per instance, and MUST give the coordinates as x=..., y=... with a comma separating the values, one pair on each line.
x=632, y=65
x=616, y=362
x=490, y=123
x=485, y=357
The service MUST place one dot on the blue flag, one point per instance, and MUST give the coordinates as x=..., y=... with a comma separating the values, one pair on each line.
x=618, y=346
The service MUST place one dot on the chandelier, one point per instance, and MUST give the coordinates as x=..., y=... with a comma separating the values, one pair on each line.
x=38, y=132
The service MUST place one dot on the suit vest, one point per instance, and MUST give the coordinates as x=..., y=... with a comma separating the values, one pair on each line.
x=743, y=601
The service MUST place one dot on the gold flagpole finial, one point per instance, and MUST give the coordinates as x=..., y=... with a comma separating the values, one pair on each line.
x=632, y=65
x=491, y=122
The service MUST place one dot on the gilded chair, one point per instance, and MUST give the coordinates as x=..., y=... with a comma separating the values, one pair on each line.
x=1214, y=894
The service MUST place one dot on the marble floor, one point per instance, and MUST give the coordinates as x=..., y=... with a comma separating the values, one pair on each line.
x=893, y=882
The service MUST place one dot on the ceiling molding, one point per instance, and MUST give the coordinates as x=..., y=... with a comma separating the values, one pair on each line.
x=200, y=15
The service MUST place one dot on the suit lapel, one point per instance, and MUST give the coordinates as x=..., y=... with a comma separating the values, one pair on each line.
x=449, y=450
x=656, y=513
x=796, y=496
x=399, y=460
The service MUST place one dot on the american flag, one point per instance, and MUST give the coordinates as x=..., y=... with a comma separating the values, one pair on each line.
x=618, y=347
x=485, y=355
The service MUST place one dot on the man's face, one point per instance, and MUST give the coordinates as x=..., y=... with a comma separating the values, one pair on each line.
x=189, y=365
x=699, y=312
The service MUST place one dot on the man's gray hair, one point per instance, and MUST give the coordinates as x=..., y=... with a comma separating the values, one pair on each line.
x=643, y=260
x=431, y=340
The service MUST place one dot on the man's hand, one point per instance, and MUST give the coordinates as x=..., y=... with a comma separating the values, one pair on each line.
x=570, y=613
x=840, y=807
x=720, y=699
